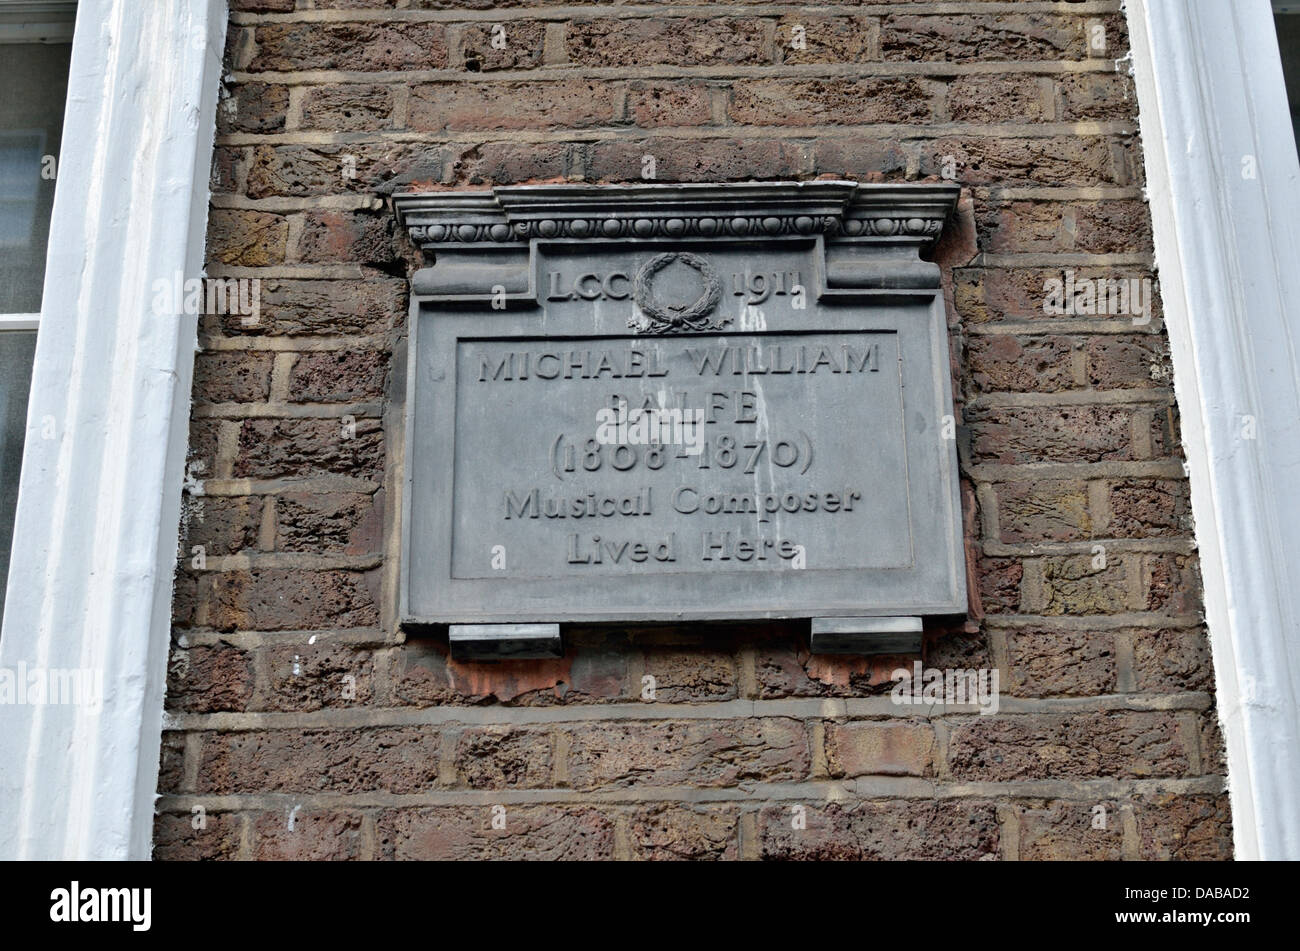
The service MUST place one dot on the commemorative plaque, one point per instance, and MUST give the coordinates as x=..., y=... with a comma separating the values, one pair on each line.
x=679, y=402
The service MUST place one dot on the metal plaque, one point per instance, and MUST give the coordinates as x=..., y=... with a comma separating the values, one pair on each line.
x=652, y=403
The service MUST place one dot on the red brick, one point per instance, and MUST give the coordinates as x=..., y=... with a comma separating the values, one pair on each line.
x=346, y=238
x=232, y=376
x=560, y=104
x=348, y=108
x=503, y=757
x=1066, y=831
x=358, y=46
x=1061, y=663
x=691, y=752
x=465, y=833
x=176, y=840
x=317, y=676
x=209, y=679
x=666, y=41
x=885, y=748
x=281, y=599
x=671, y=832
x=395, y=760
x=1150, y=508
x=282, y=448
x=520, y=43
x=1006, y=363
x=999, y=580
x=1004, y=748
x=817, y=102
x=316, y=836
x=1043, y=511
x=651, y=104
x=1184, y=828
x=948, y=829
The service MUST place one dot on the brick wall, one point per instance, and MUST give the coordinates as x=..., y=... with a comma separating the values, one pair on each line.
x=304, y=726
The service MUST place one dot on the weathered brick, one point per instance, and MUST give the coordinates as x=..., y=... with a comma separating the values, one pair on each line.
x=992, y=98
x=990, y=295
x=338, y=376
x=886, y=748
x=360, y=46
x=697, y=160
x=516, y=45
x=1006, y=363
x=1129, y=362
x=826, y=39
x=348, y=108
x=246, y=238
x=232, y=376
x=1150, y=508
x=1100, y=227
x=561, y=104
x=467, y=833
x=651, y=104
x=690, y=676
x=171, y=762
x=392, y=759
x=503, y=757
x=346, y=238
x=317, y=676
x=1068, y=831
x=1172, y=661
x=671, y=832
x=282, y=448
x=1061, y=663
x=666, y=41
x=221, y=526
x=505, y=163
x=1005, y=748
x=347, y=522
x=898, y=829
x=313, y=308
x=691, y=752
x=1184, y=828
x=281, y=599
x=1005, y=161
x=982, y=38
x=1016, y=436
x=1095, y=96
x=253, y=107
x=316, y=836
x=1173, y=584
x=817, y=102
x=423, y=675
x=1074, y=586
x=355, y=167
x=209, y=679
x=1043, y=511
x=1000, y=580
x=176, y=840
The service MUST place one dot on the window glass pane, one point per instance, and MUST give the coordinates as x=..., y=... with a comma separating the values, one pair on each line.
x=17, y=350
x=33, y=87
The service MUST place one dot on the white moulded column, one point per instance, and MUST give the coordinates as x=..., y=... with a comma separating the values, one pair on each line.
x=1224, y=187
x=95, y=538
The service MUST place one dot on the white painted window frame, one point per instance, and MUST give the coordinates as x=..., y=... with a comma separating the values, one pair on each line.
x=95, y=537
x=1212, y=104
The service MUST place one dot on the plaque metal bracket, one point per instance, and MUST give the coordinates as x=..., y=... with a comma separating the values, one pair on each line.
x=866, y=635
x=504, y=641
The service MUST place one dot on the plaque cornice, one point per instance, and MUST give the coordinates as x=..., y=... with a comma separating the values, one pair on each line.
x=908, y=215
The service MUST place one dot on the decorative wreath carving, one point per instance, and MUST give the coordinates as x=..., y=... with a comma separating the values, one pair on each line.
x=671, y=319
